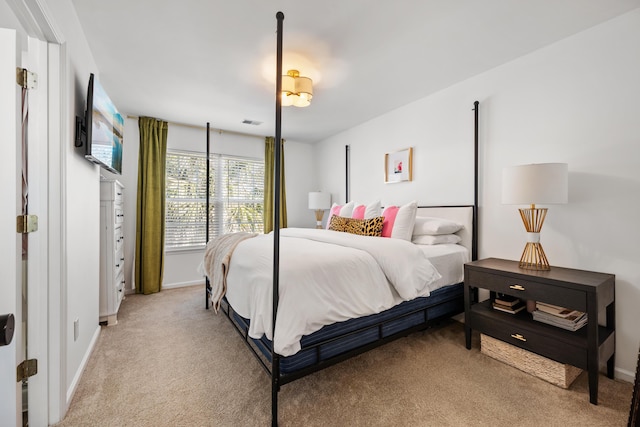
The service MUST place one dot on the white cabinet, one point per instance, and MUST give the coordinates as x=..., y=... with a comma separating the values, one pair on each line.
x=111, y=250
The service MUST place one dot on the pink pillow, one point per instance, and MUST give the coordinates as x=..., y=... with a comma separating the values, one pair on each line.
x=358, y=212
x=389, y=215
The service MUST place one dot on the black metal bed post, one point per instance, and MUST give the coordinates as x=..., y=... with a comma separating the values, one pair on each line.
x=207, y=284
x=347, y=160
x=474, y=246
x=275, y=358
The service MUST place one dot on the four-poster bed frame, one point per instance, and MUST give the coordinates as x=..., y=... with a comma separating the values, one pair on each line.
x=445, y=305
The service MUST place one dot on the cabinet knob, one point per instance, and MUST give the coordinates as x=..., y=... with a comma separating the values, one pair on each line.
x=517, y=287
x=519, y=337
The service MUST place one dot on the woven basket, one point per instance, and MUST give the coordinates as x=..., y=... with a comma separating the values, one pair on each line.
x=549, y=370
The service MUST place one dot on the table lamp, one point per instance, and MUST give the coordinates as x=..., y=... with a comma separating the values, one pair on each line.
x=542, y=183
x=319, y=202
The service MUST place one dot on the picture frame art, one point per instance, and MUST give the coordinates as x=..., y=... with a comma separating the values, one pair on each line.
x=398, y=166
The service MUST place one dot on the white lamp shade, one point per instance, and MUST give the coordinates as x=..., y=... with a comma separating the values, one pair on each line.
x=304, y=85
x=319, y=200
x=541, y=183
x=288, y=84
x=296, y=90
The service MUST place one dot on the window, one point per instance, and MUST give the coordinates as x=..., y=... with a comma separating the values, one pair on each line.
x=236, y=197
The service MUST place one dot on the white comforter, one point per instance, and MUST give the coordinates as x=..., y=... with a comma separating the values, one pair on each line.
x=325, y=277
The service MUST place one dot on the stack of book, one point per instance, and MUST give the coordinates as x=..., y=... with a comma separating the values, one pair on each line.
x=508, y=303
x=561, y=317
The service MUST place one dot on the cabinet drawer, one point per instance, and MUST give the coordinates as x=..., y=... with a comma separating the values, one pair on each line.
x=118, y=262
x=119, y=214
x=528, y=289
x=111, y=190
x=117, y=196
x=118, y=235
x=119, y=288
x=532, y=339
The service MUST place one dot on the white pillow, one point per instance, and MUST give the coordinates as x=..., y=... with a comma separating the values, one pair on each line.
x=427, y=239
x=404, y=222
x=343, y=210
x=434, y=226
x=373, y=210
x=347, y=209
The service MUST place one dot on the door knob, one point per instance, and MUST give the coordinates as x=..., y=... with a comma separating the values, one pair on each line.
x=7, y=325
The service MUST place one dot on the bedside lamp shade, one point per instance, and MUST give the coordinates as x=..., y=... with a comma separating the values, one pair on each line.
x=319, y=202
x=543, y=183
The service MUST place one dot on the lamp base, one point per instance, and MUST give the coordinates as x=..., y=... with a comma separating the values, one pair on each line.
x=533, y=256
x=319, y=215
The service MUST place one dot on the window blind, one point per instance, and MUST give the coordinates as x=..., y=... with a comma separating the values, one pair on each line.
x=236, y=196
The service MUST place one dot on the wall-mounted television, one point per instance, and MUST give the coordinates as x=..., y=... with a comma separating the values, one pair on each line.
x=100, y=131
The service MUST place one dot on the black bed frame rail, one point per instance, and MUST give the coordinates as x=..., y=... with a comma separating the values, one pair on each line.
x=381, y=340
x=322, y=364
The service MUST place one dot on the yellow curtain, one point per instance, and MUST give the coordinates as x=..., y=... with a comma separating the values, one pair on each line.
x=149, y=259
x=269, y=182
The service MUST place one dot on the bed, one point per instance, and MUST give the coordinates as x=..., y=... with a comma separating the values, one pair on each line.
x=300, y=353
x=336, y=341
x=305, y=347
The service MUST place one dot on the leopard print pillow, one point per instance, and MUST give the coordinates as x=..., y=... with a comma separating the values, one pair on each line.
x=362, y=227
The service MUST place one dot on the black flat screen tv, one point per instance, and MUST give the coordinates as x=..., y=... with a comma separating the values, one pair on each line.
x=100, y=131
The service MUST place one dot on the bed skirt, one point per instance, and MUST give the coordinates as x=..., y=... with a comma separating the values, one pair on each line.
x=341, y=340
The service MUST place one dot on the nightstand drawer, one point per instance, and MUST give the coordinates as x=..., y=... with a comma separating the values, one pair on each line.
x=532, y=339
x=528, y=289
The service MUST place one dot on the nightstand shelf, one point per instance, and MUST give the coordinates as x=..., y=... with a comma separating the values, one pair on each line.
x=581, y=290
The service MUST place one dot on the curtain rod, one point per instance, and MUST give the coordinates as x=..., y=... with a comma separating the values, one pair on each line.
x=220, y=131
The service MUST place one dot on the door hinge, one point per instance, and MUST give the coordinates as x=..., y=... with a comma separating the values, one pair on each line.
x=26, y=223
x=26, y=369
x=26, y=78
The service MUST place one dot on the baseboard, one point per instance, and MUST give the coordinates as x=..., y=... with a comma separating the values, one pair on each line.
x=624, y=375
x=182, y=284
x=171, y=286
x=83, y=364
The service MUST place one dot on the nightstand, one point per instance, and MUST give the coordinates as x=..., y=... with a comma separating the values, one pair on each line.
x=591, y=292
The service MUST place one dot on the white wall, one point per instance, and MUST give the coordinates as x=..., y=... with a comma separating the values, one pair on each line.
x=180, y=267
x=299, y=169
x=80, y=211
x=575, y=101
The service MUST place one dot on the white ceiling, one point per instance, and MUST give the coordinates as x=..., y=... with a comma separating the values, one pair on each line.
x=197, y=61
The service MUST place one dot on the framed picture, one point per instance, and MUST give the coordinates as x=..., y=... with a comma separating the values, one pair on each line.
x=398, y=166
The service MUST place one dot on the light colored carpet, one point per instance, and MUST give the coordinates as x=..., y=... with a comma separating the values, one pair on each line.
x=170, y=362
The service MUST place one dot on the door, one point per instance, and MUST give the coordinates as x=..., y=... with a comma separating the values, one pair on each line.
x=10, y=389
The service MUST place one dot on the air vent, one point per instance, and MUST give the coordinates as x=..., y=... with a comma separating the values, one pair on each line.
x=251, y=122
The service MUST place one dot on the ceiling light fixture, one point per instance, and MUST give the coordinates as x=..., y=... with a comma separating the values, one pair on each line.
x=296, y=90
